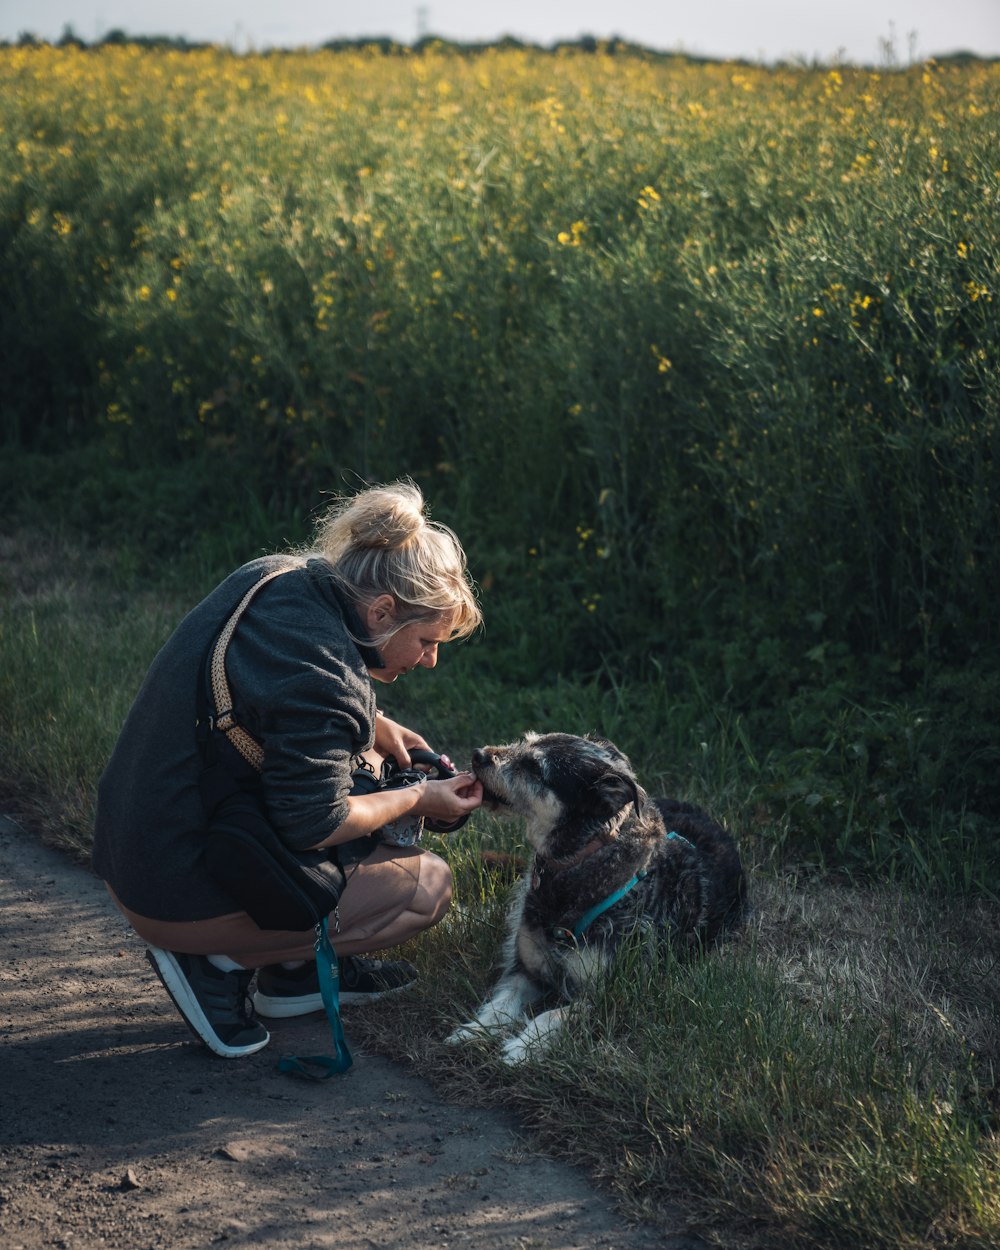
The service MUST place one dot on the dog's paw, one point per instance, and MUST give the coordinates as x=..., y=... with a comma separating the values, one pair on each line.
x=516, y=1050
x=473, y=1031
x=535, y=1039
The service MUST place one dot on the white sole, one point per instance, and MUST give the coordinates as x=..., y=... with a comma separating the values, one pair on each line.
x=307, y=1004
x=176, y=984
x=286, y=1008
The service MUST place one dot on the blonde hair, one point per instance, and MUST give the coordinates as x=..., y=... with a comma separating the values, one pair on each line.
x=383, y=542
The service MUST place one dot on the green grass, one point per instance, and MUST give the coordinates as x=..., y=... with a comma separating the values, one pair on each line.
x=72, y=653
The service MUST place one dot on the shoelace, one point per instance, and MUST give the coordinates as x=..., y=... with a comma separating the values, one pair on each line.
x=244, y=1005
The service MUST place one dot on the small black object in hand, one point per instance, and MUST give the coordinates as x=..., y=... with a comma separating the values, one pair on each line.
x=437, y=770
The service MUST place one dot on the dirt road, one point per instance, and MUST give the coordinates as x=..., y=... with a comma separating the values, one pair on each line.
x=118, y=1130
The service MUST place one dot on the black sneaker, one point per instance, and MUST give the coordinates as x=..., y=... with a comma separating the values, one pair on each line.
x=215, y=1005
x=363, y=979
x=283, y=992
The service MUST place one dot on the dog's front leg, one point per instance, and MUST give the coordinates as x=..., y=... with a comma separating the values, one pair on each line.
x=503, y=1011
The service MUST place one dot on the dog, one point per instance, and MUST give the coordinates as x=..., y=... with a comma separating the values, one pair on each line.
x=608, y=862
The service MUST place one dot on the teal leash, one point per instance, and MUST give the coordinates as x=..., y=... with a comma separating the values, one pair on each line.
x=329, y=983
x=588, y=918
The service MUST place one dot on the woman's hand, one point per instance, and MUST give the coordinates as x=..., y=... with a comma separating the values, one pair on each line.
x=396, y=740
x=449, y=800
x=446, y=801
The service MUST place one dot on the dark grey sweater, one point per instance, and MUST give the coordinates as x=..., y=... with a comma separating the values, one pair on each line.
x=300, y=685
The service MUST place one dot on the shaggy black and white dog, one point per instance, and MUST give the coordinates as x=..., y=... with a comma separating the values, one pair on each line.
x=608, y=862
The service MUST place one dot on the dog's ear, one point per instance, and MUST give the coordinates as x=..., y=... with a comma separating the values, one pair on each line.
x=618, y=790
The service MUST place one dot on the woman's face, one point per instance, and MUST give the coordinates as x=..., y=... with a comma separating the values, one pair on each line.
x=414, y=646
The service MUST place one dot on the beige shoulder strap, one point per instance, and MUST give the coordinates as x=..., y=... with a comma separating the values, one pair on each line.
x=225, y=721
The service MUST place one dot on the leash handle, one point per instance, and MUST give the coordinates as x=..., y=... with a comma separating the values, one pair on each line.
x=439, y=772
x=439, y=769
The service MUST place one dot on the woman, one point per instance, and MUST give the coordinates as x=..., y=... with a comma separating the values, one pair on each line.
x=382, y=590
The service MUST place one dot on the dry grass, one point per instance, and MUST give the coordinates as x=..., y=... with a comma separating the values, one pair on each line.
x=872, y=1067
x=928, y=967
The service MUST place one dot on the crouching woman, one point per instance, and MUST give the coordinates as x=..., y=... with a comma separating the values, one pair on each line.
x=381, y=591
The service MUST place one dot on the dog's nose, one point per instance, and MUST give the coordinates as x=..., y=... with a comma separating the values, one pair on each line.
x=479, y=756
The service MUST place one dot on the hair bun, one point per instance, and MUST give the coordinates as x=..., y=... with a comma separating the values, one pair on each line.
x=386, y=518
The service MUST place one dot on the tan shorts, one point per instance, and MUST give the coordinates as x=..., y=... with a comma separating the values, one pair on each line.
x=379, y=889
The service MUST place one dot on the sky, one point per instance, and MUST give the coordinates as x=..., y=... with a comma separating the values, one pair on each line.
x=859, y=31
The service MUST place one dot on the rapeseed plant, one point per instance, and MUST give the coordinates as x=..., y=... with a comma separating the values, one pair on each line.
x=743, y=316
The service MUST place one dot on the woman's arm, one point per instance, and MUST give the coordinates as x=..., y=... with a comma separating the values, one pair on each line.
x=443, y=800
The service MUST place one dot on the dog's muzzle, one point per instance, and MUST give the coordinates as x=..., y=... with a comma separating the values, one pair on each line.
x=482, y=766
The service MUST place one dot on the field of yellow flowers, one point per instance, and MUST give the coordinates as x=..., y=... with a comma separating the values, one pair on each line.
x=702, y=359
